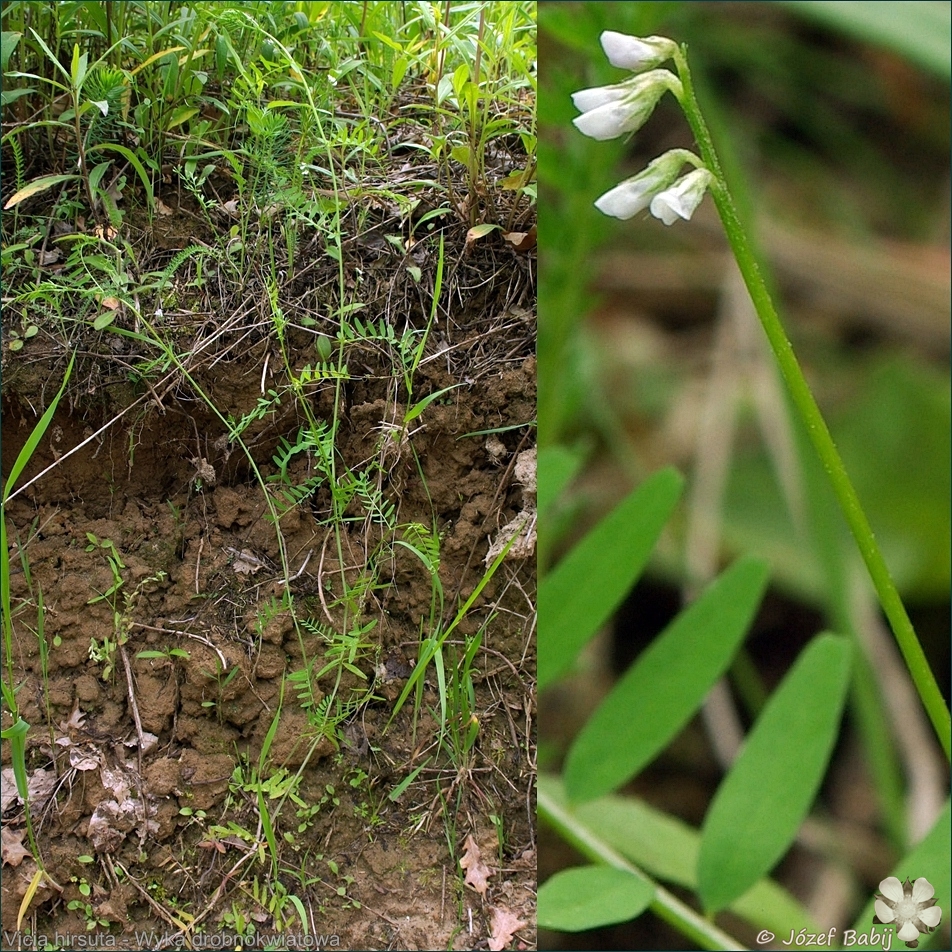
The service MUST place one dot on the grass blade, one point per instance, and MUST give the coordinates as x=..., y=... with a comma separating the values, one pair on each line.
x=34, y=438
x=35, y=187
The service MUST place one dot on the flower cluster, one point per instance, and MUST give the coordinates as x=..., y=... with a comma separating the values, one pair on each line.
x=910, y=906
x=608, y=112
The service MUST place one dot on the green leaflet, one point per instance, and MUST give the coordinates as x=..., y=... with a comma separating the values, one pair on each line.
x=760, y=805
x=587, y=897
x=658, y=695
x=664, y=847
x=577, y=597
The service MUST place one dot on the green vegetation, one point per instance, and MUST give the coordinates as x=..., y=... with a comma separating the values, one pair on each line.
x=250, y=216
x=606, y=777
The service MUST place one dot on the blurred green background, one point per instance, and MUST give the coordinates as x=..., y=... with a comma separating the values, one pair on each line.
x=832, y=122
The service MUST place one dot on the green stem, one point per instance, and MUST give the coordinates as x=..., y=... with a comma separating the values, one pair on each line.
x=664, y=905
x=809, y=412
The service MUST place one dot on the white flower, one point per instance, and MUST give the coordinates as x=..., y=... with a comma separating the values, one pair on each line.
x=636, y=53
x=910, y=906
x=681, y=199
x=611, y=111
x=634, y=194
x=587, y=99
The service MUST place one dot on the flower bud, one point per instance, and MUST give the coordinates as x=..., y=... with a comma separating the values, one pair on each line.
x=636, y=193
x=636, y=53
x=611, y=111
x=681, y=199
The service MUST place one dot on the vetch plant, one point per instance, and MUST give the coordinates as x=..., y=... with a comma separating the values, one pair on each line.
x=680, y=201
x=770, y=787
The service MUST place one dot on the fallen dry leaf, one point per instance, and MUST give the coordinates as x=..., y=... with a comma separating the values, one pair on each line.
x=502, y=925
x=246, y=563
x=8, y=789
x=76, y=720
x=12, y=850
x=477, y=872
x=522, y=240
x=84, y=758
x=41, y=785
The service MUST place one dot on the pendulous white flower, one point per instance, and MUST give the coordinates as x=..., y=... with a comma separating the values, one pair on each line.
x=636, y=53
x=595, y=96
x=634, y=194
x=681, y=199
x=910, y=906
x=611, y=111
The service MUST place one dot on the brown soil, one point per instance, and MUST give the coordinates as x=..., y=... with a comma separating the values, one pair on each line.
x=162, y=819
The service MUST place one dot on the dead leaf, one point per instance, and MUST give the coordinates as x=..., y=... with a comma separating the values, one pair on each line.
x=41, y=785
x=162, y=208
x=12, y=850
x=148, y=741
x=109, y=825
x=116, y=781
x=477, y=872
x=526, y=861
x=522, y=240
x=502, y=925
x=246, y=563
x=84, y=758
x=8, y=789
x=112, y=821
x=75, y=721
x=212, y=845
